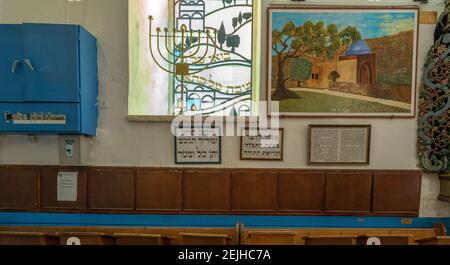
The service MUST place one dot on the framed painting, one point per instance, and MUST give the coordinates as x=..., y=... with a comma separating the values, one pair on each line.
x=342, y=61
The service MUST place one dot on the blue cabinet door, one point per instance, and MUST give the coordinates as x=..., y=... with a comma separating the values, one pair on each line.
x=51, y=63
x=11, y=64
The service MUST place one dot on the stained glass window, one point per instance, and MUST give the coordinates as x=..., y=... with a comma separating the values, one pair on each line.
x=162, y=81
x=223, y=56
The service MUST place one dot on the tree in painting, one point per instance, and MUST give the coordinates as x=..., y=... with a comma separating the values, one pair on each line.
x=233, y=42
x=301, y=70
x=225, y=2
x=308, y=39
x=247, y=16
x=221, y=35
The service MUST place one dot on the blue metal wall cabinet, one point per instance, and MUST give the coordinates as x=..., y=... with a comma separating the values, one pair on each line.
x=48, y=80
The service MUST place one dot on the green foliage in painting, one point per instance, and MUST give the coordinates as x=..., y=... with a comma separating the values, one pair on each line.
x=307, y=40
x=188, y=42
x=247, y=16
x=233, y=42
x=301, y=70
x=235, y=22
x=225, y=2
x=221, y=35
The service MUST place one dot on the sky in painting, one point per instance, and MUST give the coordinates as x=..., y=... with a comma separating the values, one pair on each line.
x=371, y=25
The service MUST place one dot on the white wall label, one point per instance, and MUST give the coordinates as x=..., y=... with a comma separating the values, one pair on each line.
x=264, y=144
x=67, y=186
x=198, y=146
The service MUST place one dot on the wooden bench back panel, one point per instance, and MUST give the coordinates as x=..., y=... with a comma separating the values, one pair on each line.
x=18, y=240
x=142, y=241
x=330, y=241
x=435, y=241
x=269, y=237
x=91, y=240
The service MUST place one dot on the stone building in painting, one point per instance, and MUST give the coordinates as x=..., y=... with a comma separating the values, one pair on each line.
x=355, y=65
x=358, y=65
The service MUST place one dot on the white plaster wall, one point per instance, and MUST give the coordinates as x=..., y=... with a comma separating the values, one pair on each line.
x=121, y=143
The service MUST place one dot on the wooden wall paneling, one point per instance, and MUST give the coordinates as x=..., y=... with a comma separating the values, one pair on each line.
x=48, y=184
x=18, y=188
x=301, y=191
x=206, y=190
x=348, y=192
x=254, y=191
x=111, y=189
x=158, y=190
x=397, y=192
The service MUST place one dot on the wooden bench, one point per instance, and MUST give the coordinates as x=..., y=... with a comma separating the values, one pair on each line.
x=232, y=234
x=270, y=237
x=204, y=239
x=386, y=239
x=137, y=239
x=27, y=238
x=438, y=240
x=85, y=238
x=330, y=240
x=301, y=236
x=211, y=236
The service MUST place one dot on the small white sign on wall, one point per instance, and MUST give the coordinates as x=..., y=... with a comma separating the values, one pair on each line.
x=67, y=186
x=198, y=146
x=264, y=144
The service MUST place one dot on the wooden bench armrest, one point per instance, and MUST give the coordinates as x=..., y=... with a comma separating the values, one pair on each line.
x=329, y=237
x=142, y=235
x=440, y=229
x=433, y=238
x=225, y=236
x=282, y=233
x=82, y=234
x=13, y=233
x=387, y=235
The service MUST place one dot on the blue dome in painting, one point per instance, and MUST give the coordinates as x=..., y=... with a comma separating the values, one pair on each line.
x=359, y=48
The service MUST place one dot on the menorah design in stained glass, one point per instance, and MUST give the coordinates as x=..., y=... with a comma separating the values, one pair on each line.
x=210, y=52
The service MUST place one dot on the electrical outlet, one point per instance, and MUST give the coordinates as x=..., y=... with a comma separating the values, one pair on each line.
x=73, y=150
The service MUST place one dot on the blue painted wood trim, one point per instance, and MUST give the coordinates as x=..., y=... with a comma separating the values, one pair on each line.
x=126, y=220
